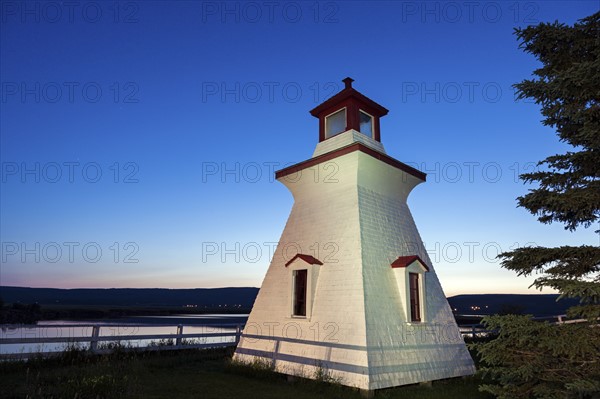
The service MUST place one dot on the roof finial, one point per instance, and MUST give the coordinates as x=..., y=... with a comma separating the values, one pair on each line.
x=348, y=83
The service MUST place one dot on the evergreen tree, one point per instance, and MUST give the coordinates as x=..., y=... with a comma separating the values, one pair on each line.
x=530, y=359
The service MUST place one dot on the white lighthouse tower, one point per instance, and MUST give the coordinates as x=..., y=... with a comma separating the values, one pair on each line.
x=350, y=292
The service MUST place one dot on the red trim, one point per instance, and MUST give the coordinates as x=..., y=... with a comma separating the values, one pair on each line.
x=321, y=129
x=345, y=94
x=376, y=134
x=347, y=150
x=307, y=258
x=404, y=261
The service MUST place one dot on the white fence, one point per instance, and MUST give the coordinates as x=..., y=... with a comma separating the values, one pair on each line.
x=98, y=343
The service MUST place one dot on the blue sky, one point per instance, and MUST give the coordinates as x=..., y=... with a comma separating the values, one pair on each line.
x=139, y=139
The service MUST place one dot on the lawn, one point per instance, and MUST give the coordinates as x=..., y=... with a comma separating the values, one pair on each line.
x=185, y=374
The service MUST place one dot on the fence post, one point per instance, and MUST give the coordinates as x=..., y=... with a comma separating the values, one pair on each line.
x=238, y=333
x=94, y=340
x=179, y=333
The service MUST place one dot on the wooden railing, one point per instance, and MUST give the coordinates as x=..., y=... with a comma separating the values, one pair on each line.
x=122, y=342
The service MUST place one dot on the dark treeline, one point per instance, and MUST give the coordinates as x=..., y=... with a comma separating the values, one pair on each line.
x=201, y=298
x=25, y=305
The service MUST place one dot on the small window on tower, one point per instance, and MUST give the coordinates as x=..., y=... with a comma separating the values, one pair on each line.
x=410, y=272
x=335, y=123
x=300, y=286
x=366, y=124
x=415, y=300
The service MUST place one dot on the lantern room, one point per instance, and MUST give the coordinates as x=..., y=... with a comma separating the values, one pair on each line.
x=348, y=110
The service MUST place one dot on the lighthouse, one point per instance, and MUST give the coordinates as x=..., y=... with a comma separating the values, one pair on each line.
x=351, y=293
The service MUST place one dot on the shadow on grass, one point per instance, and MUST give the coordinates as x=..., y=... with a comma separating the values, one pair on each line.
x=193, y=373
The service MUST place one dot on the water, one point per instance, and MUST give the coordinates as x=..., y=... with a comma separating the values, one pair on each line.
x=133, y=326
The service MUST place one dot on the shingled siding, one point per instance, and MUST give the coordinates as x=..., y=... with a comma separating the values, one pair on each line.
x=356, y=222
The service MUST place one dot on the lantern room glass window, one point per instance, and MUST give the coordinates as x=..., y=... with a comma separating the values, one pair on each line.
x=366, y=124
x=335, y=123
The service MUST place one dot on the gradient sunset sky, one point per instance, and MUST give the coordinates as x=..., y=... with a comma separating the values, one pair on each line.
x=139, y=139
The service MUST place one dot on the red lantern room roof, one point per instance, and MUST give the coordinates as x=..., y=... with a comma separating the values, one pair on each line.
x=353, y=102
x=349, y=93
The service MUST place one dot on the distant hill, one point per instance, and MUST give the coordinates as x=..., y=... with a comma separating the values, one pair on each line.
x=243, y=297
x=537, y=305
x=233, y=297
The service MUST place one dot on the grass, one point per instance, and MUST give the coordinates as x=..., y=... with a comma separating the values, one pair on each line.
x=185, y=374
